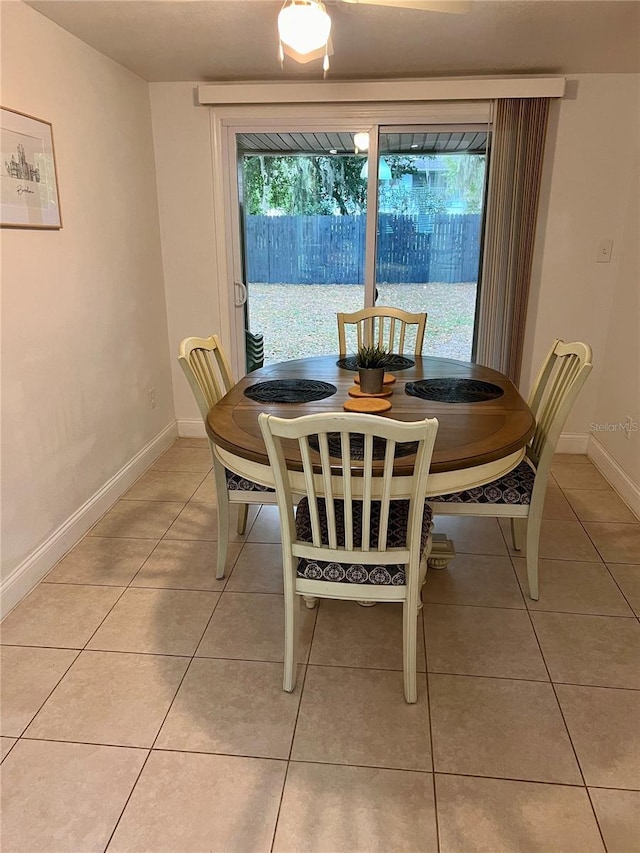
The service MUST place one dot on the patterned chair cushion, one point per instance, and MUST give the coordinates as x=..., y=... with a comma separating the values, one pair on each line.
x=514, y=488
x=319, y=570
x=236, y=483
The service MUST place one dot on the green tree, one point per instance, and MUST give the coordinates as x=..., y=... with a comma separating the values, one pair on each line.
x=322, y=184
x=465, y=179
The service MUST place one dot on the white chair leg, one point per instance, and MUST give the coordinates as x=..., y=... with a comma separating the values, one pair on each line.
x=422, y=577
x=533, y=542
x=310, y=601
x=291, y=627
x=243, y=512
x=222, y=511
x=517, y=526
x=409, y=643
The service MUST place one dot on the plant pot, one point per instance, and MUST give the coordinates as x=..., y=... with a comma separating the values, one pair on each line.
x=371, y=379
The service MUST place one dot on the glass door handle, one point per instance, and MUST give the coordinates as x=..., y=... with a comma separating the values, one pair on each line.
x=240, y=293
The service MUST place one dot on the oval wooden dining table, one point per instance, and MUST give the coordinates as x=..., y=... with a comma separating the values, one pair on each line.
x=477, y=442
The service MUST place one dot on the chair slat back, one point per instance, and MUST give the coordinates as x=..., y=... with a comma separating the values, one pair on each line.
x=561, y=377
x=360, y=480
x=207, y=369
x=386, y=327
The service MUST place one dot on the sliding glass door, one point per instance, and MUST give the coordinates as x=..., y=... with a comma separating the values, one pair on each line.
x=303, y=202
x=429, y=226
x=338, y=216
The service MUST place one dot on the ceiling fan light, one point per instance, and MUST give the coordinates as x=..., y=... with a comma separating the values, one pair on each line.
x=304, y=25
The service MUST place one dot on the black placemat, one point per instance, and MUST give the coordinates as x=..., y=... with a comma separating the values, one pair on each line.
x=407, y=448
x=289, y=391
x=454, y=390
x=396, y=362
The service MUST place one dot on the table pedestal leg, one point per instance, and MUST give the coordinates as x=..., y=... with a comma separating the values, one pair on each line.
x=442, y=551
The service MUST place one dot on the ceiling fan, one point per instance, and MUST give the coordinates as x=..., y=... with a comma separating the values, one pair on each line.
x=304, y=26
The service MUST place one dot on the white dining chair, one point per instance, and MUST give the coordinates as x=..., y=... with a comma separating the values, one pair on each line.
x=387, y=327
x=520, y=494
x=352, y=537
x=207, y=369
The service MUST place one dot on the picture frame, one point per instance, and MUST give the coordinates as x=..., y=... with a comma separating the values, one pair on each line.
x=28, y=180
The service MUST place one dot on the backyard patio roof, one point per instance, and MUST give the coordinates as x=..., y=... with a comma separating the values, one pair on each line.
x=409, y=141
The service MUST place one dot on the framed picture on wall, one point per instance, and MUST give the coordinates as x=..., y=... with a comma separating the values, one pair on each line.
x=28, y=182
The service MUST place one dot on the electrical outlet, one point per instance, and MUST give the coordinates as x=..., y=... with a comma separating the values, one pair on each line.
x=152, y=397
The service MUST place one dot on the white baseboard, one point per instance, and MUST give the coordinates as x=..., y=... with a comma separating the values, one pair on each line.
x=25, y=576
x=191, y=428
x=573, y=442
x=610, y=470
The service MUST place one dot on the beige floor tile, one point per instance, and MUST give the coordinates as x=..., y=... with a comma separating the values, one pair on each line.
x=58, y=615
x=235, y=707
x=192, y=803
x=472, y=535
x=359, y=716
x=617, y=543
x=628, y=578
x=618, y=814
x=160, y=621
x=498, y=727
x=571, y=459
x=108, y=562
x=363, y=809
x=592, y=505
x=257, y=569
x=370, y=637
x=565, y=540
x=503, y=816
x=250, y=626
x=111, y=698
x=266, y=527
x=64, y=797
x=138, y=519
x=471, y=579
x=482, y=641
x=184, y=441
x=570, y=476
x=206, y=491
x=180, y=564
x=556, y=506
x=6, y=744
x=164, y=486
x=200, y=521
x=559, y=540
x=603, y=725
x=28, y=677
x=574, y=587
x=193, y=459
x=602, y=651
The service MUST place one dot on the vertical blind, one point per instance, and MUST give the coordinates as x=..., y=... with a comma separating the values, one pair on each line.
x=517, y=148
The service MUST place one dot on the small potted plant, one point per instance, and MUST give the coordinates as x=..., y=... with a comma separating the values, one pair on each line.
x=371, y=362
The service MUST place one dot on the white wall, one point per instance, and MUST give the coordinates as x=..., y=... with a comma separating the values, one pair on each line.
x=619, y=391
x=587, y=186
x=84, y=330
x=182, y=140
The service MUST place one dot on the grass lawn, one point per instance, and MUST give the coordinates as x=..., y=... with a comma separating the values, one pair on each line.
x=298, y=320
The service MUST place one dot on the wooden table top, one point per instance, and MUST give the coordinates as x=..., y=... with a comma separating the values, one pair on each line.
x=469, y=434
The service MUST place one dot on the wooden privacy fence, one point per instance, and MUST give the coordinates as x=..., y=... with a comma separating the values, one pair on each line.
x=330, y=249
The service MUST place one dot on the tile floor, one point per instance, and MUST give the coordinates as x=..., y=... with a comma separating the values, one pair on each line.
x=142, y=707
